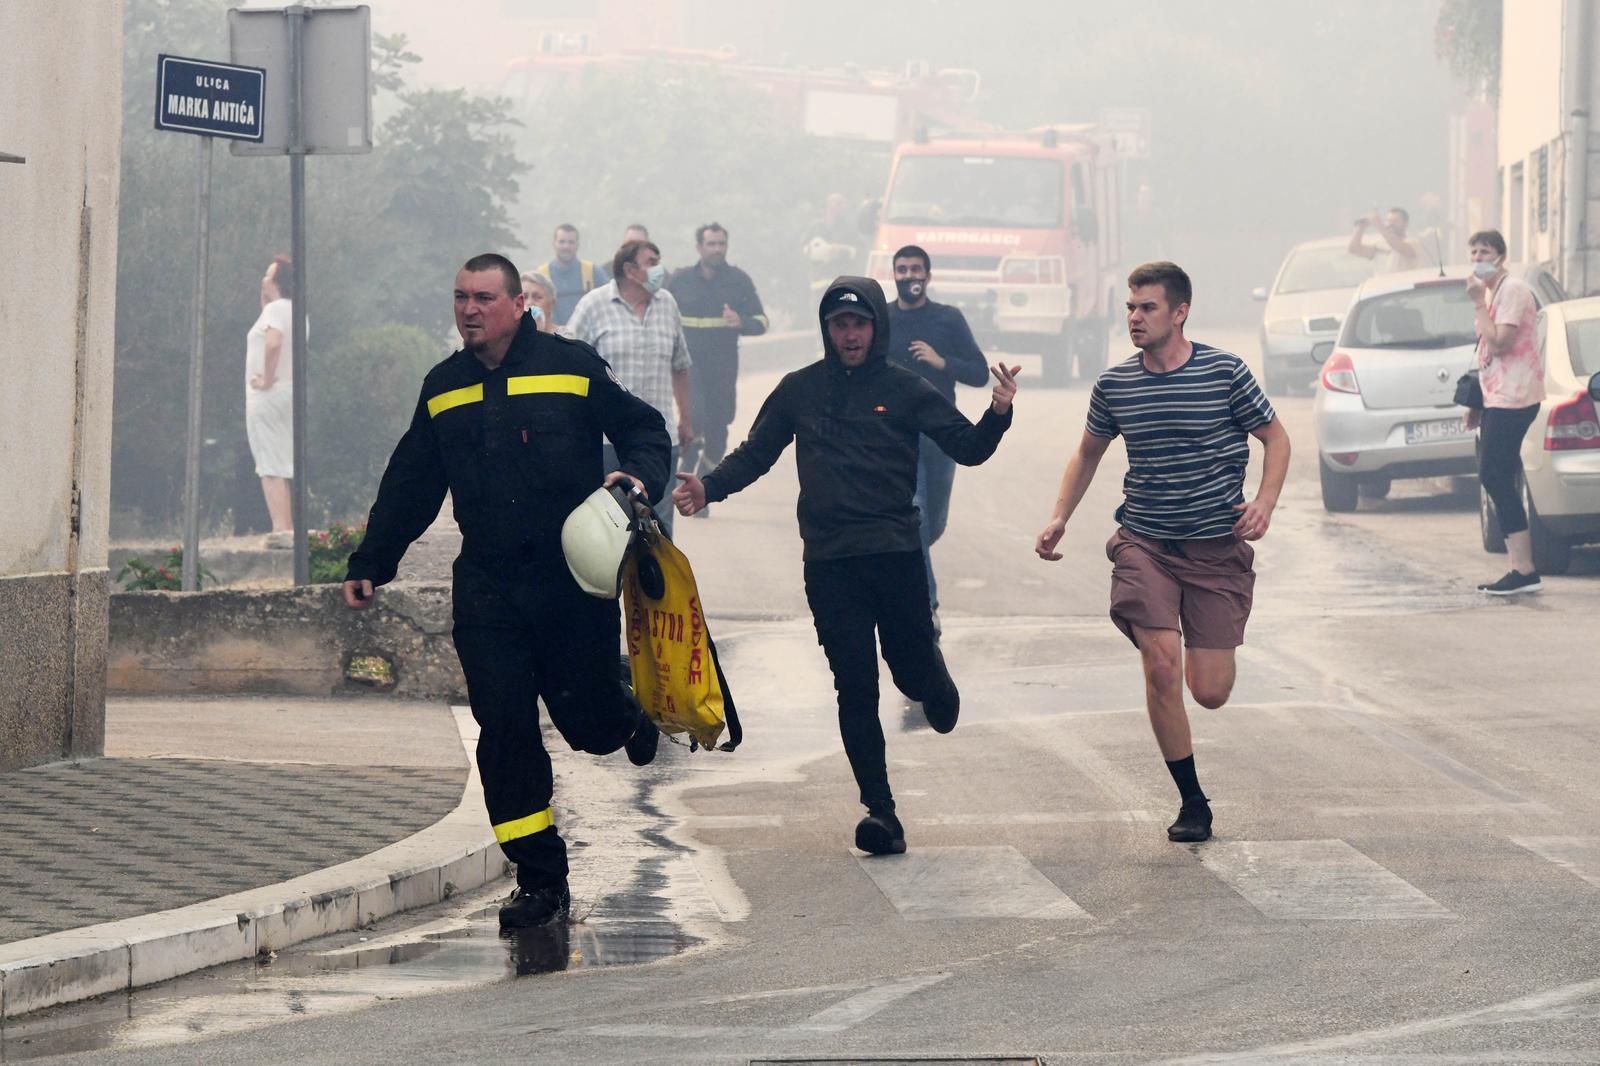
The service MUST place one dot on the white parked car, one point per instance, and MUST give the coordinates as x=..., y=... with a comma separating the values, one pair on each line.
x=1305, y=307
x=1561, y=453
x=1385, y=405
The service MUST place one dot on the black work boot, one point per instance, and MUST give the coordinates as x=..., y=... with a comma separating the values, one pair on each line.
x=880, y=833
x=942, y=708
x=528, y=908
x=1193, y=824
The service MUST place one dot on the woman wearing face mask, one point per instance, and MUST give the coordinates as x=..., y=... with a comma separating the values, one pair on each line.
x=541, y=296
x=1511, y=375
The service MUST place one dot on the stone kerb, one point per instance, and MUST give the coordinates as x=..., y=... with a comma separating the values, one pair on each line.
x=294, y=641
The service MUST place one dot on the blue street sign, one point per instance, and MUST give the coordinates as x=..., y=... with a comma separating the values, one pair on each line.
x=215, y=99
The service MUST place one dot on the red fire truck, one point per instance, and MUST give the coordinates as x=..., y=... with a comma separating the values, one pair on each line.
x=1023, y=231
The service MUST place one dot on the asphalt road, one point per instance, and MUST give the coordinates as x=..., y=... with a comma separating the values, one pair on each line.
x=1405, y=871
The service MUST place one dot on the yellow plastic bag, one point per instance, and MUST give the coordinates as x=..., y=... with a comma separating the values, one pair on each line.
x=676, y=677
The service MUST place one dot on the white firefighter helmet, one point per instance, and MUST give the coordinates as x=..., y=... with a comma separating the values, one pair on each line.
x=595, y=539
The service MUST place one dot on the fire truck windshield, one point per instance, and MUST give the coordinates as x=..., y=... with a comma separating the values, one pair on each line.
x=967, y=190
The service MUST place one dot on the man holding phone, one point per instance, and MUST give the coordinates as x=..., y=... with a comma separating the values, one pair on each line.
x=934, y=340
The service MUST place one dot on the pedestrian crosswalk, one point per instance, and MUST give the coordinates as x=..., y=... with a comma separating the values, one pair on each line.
x=1282, y=880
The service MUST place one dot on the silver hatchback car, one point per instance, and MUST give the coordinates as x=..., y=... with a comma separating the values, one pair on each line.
x=1385, y=405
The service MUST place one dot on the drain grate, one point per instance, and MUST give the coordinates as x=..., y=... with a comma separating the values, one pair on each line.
x=957, y=1060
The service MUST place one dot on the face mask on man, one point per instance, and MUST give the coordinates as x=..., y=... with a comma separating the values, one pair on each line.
x=654, y=278
x=1485, y=269
x=910, y=289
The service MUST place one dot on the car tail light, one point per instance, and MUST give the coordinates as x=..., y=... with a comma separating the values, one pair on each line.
x=1339, y=374
x=1028, y=270
x=1573, y=425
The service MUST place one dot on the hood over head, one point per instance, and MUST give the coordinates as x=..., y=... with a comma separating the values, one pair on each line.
x=869, y=294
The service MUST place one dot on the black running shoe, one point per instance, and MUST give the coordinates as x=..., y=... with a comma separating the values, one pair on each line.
x=1515, y=583
x=641, y=746
x=1193, y=824
x=528, y=908
x=880, y=833
x=943, y=709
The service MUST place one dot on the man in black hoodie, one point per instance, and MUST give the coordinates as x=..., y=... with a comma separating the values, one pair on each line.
x=856, y=420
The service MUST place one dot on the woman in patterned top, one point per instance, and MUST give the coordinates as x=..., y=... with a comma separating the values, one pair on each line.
x=1511, y=374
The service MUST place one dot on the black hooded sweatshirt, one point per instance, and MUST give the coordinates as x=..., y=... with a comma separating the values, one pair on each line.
x=855, y=434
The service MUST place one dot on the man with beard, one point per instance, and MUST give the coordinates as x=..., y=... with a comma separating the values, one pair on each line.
x=855, y=420
x=719, y=305
x=934, y=340
x=511, y=426
x=1181, y=577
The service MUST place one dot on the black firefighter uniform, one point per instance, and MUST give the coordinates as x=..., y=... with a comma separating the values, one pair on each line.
x=518, y=447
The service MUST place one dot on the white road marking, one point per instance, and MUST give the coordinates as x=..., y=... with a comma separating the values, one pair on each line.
x=1551, y=1005
x=735, y=821
x=1443, y=809
x=858, y=1008
x=1315, y=880
x=724, y=892
x=968, y=882
x=1579, y=855
x=1037, y=818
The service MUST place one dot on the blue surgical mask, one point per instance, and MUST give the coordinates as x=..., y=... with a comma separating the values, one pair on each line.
x=1485, y=270
x=655, y=277
x=536, y=311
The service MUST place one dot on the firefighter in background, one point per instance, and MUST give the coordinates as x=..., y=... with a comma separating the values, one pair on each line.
x=719, y=305
x=511, y=427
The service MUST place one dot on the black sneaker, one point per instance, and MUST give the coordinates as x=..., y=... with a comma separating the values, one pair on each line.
x=641, y=746
x=943, y=709
x=1193, y=824
x=1515, y=583
x=880, y=833
x=528, y=908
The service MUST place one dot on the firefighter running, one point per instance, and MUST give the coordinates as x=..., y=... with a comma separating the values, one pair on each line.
x=511, y=426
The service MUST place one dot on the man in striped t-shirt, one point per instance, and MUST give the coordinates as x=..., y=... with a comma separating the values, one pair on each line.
x=1181, y=565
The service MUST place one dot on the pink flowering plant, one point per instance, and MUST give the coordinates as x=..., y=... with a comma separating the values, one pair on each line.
x=330, y=551
x=137, y=575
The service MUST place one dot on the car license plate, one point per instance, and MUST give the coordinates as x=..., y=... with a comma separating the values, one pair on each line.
x=1443, y=429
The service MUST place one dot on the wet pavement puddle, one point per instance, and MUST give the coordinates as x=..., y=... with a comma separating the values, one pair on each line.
x=461, y=948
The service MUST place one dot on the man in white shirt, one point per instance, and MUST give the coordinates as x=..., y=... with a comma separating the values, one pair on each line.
x=635, y=325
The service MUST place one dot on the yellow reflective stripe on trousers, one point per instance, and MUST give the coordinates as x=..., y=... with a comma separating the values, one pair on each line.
x=524, y=827
x=575, y=384
x=454, y=398
x=696, y=322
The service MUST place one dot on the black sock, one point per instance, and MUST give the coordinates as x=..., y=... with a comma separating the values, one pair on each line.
x=1182, y=771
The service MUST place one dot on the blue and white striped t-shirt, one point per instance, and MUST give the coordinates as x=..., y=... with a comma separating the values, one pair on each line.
x=1187, y=436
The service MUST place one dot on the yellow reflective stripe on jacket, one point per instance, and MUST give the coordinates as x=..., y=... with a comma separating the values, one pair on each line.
x=527, y=384
x=762, y=319
x=694, y=322
x=586, y=274
x=524, y=827
x=455, y=398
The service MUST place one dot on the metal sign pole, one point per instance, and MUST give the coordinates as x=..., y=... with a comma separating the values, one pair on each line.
x=297, y=240
x=191, y=465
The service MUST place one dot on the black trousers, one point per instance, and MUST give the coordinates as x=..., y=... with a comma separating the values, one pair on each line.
x=525, y=631
x=1500, y=462
x=853, y=601
x=714, y=380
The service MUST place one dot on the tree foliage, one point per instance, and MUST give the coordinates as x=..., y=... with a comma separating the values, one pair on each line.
x=386, y=232
x=1467, y=37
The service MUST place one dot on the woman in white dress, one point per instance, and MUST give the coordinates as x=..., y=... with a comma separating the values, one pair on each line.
x=269, y=398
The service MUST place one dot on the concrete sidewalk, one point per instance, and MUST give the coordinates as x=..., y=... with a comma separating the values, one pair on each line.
x=214, y=829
